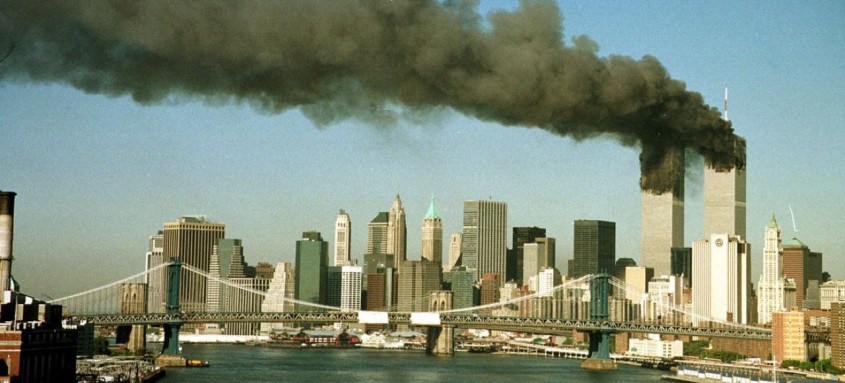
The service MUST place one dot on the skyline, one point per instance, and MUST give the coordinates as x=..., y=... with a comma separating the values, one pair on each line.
x=92, y=169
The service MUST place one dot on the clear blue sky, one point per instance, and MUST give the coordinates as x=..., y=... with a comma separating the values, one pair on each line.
x=96, y=175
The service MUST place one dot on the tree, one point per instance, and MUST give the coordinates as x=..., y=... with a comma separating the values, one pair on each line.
x=825, y=277
x=101, y=346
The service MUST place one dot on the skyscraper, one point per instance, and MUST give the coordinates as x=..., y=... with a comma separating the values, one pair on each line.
x=770, y=287
x=663, y=217
x=377, y=234
x=521, y=236
x=432, y=235
x=279, y=293
x=417, y=280
x=192, y=240
x=594, y=248
x=343, y=287
x=243, y=299
x=484, y=240
x=227, y=262
x=724, y=197
x=155, y=280
x=454, y=252
x=312, y=259
x=342, y=239
x=722, y=279
x=801, y=265
x=397, y=232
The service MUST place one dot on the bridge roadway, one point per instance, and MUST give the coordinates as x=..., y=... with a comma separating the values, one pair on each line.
x=466, y=321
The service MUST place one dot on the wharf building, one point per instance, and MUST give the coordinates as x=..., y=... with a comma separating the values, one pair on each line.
x=312, y=261
x=770, y=288
x=663, y=216
x=801, y=265
x=432, y=235
x=516, y=262
x=484, y=240
x=342, y=239
x=191, y=239
x=593, y=248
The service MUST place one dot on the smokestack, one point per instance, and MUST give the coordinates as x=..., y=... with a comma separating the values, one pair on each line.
x=7, y=212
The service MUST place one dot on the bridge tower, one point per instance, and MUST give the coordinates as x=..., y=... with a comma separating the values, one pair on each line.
x=599, y=356
x=170, y=353
x=440, y=340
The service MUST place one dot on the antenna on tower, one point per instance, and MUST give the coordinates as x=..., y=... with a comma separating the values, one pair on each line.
x=725, y=117
x=793, y=219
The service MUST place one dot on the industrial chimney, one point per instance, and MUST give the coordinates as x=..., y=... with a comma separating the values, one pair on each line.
x=7, y=212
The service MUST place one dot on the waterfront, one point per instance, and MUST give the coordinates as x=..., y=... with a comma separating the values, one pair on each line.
x=239, y=363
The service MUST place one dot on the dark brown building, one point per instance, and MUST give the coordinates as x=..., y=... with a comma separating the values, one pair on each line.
x=489, y=289
x=802, y=265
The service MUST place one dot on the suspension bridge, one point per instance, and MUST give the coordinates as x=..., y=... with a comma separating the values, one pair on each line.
x=588, y=304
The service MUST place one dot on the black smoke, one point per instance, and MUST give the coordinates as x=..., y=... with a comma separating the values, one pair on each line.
x=348, y=59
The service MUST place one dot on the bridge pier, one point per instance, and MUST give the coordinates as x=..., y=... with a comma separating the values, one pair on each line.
x=171, y=355
x=440, y=340
x=599, y=356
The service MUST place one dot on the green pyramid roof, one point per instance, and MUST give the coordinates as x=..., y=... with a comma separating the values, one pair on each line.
x=432, y=211
x=773, y=223
x=794, y=242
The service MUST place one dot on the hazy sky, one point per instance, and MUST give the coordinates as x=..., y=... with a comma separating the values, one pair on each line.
x=96, y=174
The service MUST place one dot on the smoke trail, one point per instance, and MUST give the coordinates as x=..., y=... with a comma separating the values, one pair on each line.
x=339, y=60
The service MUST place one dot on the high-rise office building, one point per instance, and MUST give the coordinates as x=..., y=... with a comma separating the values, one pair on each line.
x=155, y=280
x=594, y=248
x=312, y=259
x=343, y=287
x=417, y=280
x=788, y=336
x=382, y=287
x=801, y=265
x=454, y=252
x=721, y=275
x=663, y=217
x=682, y=264
x=432, y=235
x=637, y=278
x=724, y=197
x=342, y=239
x=280, y=292
x=243, y=298
x=489, y=290
x=770, y=287
x=191, y=239
x=227, y=262
x=377, y=234
x=537, y=256
x=462, y=284
x=397, y=232
x=521, y=236
x=484, y=240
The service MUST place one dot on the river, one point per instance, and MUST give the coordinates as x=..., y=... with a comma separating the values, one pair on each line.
x=247, y=364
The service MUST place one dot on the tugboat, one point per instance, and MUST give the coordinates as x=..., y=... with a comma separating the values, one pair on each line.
x=196, y=363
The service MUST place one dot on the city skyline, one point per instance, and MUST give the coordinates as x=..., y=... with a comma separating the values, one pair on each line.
x=96, y=176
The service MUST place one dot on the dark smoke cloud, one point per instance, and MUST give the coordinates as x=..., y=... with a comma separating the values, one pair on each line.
x=348, y=59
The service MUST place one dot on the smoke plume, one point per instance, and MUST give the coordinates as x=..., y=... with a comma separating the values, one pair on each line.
x=349, y=59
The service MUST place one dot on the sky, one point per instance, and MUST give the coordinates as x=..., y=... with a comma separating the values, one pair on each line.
x=97, y=174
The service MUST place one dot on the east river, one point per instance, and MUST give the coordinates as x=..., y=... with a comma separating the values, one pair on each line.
x=247, y=364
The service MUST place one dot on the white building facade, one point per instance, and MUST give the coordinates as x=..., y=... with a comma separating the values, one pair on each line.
x=770, y=288
x=721, y=279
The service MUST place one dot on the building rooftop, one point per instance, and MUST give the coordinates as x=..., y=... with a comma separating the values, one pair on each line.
x=432, y=211
x=773, y=223
x=794, y=242
x=833, y=284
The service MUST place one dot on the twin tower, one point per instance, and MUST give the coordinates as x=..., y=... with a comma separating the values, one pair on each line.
x=663, y=214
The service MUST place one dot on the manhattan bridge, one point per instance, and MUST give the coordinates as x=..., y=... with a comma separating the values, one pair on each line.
x=586, y=304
